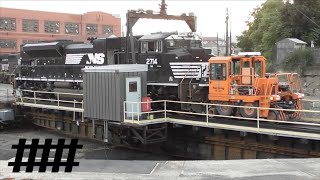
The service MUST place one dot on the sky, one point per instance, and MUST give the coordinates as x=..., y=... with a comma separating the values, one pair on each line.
x=210, y=13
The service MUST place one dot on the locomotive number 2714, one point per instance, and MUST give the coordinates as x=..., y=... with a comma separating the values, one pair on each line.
x=151, y=61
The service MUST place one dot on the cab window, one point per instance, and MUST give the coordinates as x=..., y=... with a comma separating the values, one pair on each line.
x=246, y=64
x=235, y=68
x=218, y=71
x=151, y=46
x=257, y=68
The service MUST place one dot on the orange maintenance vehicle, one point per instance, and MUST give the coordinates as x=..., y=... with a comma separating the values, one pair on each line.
x=242, y=81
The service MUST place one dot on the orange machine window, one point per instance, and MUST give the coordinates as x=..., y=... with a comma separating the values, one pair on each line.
x=257, y=68
x=218, y=71
x=235, y=68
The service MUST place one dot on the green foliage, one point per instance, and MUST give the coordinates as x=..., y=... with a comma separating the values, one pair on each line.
x=298, y=60
x=276, y=20
x=301, y=20
x=263, y=30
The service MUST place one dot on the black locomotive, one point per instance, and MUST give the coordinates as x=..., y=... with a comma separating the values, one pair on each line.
x=177, y=64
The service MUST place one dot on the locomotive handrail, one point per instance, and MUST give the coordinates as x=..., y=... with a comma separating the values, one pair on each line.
x=46, y=92
x=58, y=65
x=311, y=100
x=53, y=100
x=282, y=73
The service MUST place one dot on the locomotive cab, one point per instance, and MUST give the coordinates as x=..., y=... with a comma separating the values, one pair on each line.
x=168, y=54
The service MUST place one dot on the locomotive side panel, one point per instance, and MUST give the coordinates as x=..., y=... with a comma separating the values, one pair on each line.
x=177, y=64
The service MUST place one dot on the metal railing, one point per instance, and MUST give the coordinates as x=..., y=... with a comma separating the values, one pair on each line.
x=138, y=115
x=170, y=115
x=50, y=103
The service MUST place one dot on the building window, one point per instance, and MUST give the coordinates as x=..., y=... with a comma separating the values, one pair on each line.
x=71, y=28
x=6, y=43
x=7, y=24
x=51, y=26
x=29, y=41
x=92, y=29
x=133, y=86
x=30, y=25
x=107, y=29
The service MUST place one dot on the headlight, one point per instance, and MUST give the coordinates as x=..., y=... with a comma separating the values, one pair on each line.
x=204, y=79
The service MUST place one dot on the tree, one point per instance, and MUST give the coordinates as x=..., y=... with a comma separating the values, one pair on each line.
x=264, y=30
x=302, y=20
x=276, y=20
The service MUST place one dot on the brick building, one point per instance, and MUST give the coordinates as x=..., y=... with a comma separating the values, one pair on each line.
x=19, y=26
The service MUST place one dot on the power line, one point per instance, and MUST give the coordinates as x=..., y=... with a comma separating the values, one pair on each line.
x=305, y=15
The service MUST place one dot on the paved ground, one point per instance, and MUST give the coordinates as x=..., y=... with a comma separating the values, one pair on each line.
x=293, y=169
x=139, y=165
x=90, y=150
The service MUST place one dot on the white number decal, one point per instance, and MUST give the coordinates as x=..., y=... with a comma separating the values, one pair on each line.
x=151, y=61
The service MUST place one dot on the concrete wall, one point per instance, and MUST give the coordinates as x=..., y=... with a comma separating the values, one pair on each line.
x=316, y=55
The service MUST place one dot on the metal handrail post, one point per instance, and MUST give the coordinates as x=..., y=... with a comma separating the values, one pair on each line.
x=165, y=110
x=258, y=117
x=137, y=103
x=82, y=111
x=34, y=96
x=207, y=113
x=132, y=112
x=124, y=110
x=21, y=96
x=58, y=98
x=74, y=110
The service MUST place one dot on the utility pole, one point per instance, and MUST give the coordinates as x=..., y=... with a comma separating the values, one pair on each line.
x=230, y=36
x=227, y=38
x=163, y=7
x=218, y=44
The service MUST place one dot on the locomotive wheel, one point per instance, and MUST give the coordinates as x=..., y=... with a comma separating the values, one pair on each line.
x=212, y=111
x=273, y=115
x=247, y=111
x=224, y=110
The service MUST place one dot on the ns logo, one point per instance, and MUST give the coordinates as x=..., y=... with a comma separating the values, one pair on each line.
x=97, y=58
